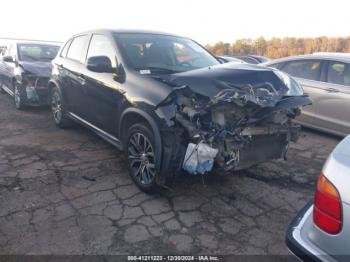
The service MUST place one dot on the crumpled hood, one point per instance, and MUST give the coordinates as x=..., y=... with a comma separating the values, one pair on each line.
x=239, y=82
x=40, y=69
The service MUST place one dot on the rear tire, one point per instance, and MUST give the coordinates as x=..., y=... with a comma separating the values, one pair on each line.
x=19, y=97
x=57, y=106
x=140, y=150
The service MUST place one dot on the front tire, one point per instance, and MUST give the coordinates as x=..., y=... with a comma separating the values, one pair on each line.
x=59, y=114
x=19, y=97
x=140, y=148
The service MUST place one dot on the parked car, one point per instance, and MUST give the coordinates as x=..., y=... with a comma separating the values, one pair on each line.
x=25, y=69
x=170, y=104
x=228, y=59
x=326, y=79
x=252, y=59
x=321, y=231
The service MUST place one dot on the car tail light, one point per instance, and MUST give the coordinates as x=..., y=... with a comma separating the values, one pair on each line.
x=327, y=211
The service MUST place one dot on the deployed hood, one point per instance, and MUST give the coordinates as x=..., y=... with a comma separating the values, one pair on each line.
x=234, y=82
x=40, y=69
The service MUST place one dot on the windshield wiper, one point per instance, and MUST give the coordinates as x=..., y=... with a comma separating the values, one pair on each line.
x=159, y=70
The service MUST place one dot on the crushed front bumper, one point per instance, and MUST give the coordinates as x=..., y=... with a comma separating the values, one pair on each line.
x=36, y=91
x=37, y=97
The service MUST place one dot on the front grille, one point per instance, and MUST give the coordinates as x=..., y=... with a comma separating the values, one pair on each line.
x=261, y=149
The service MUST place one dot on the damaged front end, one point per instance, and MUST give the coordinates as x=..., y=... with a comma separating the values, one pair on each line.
x=34, y=78
x=245, y=122
x=36, y=89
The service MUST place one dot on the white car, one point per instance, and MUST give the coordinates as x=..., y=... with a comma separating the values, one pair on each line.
x=321, y=231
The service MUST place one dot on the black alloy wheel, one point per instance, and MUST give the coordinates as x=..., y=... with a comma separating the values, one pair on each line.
x=59, y=115
x=18, y=97
x=56, y=107
x=142, y=157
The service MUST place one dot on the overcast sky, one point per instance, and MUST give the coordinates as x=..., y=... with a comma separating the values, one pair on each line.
x=205, y=21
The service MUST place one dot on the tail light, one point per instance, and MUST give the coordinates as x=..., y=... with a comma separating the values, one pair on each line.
x=327, y=211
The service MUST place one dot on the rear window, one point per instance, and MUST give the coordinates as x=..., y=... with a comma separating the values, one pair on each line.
x=307, y=69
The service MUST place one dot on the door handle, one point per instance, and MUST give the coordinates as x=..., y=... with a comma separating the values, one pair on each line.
x=332, y=90
x=81, y=80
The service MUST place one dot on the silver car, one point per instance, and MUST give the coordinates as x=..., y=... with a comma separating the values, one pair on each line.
x=321, y=231
x=325, y=77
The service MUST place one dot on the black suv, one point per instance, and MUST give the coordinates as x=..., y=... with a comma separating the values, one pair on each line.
x=170, y=104
x=25, y=69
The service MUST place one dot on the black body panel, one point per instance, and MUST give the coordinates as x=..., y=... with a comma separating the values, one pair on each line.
x=111, y=99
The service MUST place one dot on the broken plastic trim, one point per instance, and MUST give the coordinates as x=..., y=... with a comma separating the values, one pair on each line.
x=262, y=94
x=288, y=102
x=170, y=96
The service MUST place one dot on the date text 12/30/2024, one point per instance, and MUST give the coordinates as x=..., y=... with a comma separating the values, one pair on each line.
x=174, y=258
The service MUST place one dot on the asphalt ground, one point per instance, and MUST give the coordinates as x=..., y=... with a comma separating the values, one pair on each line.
x=67, y=192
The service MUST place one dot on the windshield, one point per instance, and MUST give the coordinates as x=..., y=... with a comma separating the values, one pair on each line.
x=152, y=53
x=37, y=52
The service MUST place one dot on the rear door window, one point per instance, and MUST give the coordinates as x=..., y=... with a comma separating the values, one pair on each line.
x=307, y=69
x=338, y=73
x=77, y=48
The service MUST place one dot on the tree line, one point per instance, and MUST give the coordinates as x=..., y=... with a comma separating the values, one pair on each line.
x=282, y=47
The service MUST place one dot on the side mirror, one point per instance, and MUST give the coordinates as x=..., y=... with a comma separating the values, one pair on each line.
x=8, y=59
x=100, y=64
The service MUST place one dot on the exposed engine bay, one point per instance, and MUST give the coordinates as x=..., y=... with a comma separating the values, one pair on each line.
x=241, y=125
x=34, y=78
x=36, y=88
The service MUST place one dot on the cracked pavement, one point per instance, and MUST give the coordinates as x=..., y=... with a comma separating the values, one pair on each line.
x=68, y=192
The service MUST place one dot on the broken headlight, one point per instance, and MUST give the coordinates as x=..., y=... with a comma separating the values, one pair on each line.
x=294, y=87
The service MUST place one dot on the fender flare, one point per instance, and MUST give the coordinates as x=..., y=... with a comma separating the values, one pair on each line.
x=153, y=125
x=56, y=83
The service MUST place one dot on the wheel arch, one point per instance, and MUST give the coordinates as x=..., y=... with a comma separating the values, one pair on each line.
x=52, y=83
x=55, y=84
x=134, y=115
